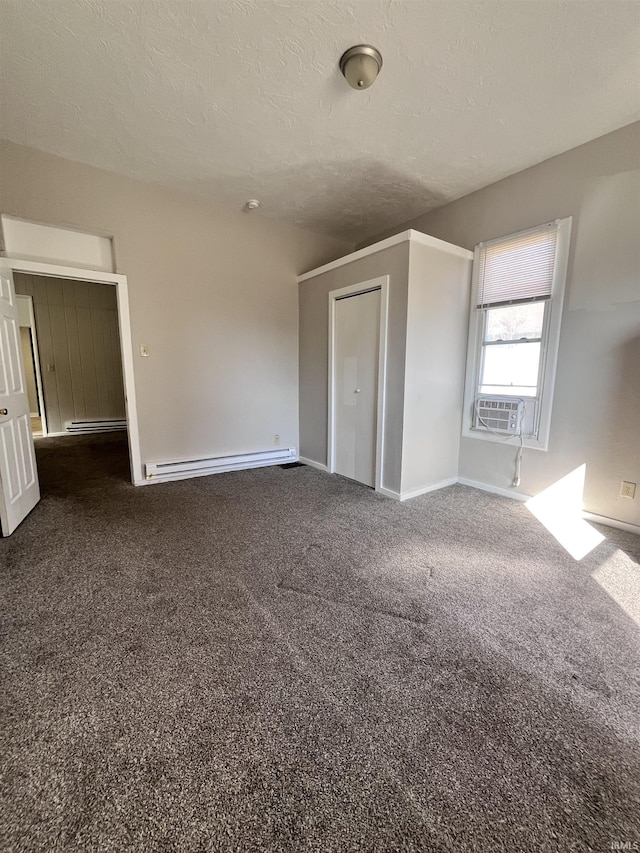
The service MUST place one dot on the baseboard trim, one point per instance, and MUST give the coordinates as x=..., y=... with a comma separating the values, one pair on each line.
x=612, y=522
x=98, y=425
x=81, y=432
x=415, y=493
x=519, y=496
x=495, y=490
x=423, y=490
x=389, y=494
x=313, y=464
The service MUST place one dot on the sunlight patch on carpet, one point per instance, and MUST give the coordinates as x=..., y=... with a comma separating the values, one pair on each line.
x=559, y=509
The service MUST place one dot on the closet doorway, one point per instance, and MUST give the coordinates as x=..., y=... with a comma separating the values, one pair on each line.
x=357, y=358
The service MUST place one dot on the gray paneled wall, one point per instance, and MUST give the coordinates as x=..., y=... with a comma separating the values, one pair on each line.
x=77, y=328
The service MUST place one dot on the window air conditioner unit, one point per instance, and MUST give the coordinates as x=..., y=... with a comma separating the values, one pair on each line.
x=498, y=414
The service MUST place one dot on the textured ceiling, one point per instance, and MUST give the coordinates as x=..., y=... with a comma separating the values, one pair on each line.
x=237, y=100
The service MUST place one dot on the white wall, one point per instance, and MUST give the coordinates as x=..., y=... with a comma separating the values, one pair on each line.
x=596, y=408
x=77, y=330
x=31, y=240
x=212, y=293
x=437, y=322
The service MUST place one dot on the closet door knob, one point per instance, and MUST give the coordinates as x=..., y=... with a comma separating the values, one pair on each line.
x=357, y=391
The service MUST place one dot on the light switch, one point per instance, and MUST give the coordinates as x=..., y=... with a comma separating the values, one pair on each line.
x=51, y=368
x=144, y=350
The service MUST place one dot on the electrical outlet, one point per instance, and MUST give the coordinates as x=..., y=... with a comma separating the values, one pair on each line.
x=276, y=440
x=627, y=489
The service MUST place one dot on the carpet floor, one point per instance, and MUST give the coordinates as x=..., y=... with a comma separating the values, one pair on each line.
x=282, y=660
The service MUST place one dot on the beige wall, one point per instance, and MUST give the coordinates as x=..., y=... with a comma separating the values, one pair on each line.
x=314, y=327
x=596, y=408
x=77, y=329
x=212, y=293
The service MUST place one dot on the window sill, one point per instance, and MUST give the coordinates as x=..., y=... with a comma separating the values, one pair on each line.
x=530, y=442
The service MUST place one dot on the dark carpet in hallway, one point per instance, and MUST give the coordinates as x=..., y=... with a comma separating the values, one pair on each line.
x=280, y=660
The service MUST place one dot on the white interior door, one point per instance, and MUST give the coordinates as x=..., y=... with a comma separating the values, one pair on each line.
x=19, y=490
x=356, y=346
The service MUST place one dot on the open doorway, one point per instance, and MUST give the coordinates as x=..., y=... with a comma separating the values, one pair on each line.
x=71, y=355
x=19, y=486
x=113, y=283
x=31, y=364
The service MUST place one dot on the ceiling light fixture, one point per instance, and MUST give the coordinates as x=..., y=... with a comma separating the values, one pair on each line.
x=361, y=65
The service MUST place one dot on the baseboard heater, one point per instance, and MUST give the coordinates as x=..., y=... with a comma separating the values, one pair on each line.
x=96, y=426
x=218, y=464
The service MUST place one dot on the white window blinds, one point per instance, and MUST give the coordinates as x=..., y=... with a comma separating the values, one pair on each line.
x=518, y=268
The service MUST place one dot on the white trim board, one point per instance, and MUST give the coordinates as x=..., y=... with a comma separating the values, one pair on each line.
x=67, y=434
x=61, y=271
x=416, y=236
x=126, y=344
x=415, y=493
x=495, y=490
x=319, y=466
x=611, y=522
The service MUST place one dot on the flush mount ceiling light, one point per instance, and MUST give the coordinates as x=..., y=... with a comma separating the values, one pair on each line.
x=361, y=65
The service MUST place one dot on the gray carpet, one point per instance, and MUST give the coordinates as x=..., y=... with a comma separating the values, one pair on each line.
x=279, y=660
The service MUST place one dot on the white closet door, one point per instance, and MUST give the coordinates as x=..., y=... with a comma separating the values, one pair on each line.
x=356, y=343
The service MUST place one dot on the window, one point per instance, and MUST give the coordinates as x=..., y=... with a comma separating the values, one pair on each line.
x=514, y=330
x=511, y=349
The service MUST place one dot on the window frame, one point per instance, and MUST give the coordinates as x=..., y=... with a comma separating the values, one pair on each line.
x=549, y=347
x=541, y=340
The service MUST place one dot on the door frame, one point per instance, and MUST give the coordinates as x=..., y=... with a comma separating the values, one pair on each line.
x=126, y=343
x=33, y=332
x=380, y=283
